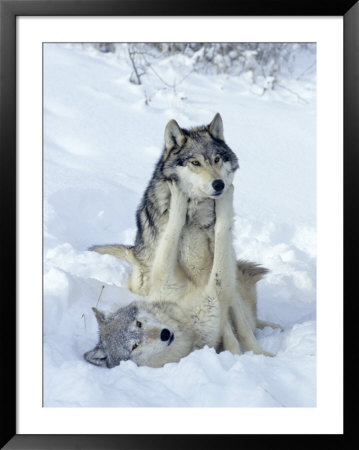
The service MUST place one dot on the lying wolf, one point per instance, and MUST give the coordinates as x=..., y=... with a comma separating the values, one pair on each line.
x=203, y=166
x=180, y=316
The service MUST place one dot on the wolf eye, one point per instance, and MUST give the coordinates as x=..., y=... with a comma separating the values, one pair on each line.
x=196, y=163
x=135, y=346
x=138, y=324
x=216, y=159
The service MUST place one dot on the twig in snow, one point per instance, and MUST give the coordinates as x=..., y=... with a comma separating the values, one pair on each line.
x=138, y=75
x=292, y=92
x=98, y=300
x=306, y=70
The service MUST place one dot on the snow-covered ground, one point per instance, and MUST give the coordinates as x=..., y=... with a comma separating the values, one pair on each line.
x=101, y=141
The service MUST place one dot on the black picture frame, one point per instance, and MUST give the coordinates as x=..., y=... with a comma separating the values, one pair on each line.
x=9, y=10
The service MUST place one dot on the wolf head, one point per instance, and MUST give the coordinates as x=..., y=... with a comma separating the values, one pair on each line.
x=150, y=334
x=198, y=159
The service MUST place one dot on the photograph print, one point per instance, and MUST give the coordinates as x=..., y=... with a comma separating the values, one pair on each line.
x=179, y=224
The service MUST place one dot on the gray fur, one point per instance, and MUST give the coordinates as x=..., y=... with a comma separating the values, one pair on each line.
x=134, y=332
x=152, y=213
x=117, y=337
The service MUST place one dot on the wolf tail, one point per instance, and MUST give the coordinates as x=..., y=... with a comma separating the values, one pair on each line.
x=124, y=252
x=249, y=272
x=248, y=275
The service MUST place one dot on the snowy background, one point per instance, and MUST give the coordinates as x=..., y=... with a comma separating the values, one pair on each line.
x=105, y=110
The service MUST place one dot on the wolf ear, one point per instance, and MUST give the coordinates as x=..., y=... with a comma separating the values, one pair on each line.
x=216, y=127
x=96, y=356
x=100, y=316
x=174, y=137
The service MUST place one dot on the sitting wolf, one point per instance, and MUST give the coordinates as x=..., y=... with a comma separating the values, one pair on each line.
x=180, y=316
x=203, y=166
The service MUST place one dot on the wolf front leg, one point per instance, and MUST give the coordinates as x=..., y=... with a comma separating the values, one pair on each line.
x=165, y=273
x=222, y=278
x=223, y=274
x=246, y=336
x=229, y=340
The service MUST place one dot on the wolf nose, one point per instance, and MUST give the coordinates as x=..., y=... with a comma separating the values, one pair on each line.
x=218, y=185
x=165, y=334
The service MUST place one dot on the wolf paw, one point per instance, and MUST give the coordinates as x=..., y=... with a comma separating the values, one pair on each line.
x=224, y=206
x=179, y=202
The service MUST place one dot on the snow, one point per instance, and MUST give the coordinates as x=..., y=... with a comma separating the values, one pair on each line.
x=101, y=141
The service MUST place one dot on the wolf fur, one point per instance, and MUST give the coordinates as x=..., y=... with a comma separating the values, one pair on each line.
x=181, y=316
x=182, y=152
x=203, y=166
x=198, y=166
x=134, y=333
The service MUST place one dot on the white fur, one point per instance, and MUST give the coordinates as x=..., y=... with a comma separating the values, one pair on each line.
x=210, y=307
x=197, y=184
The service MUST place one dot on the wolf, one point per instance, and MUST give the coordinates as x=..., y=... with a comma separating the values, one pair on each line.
x=203, y=166
x=198, y=164
x=180, y=316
